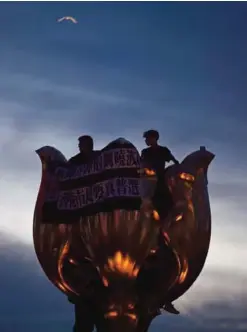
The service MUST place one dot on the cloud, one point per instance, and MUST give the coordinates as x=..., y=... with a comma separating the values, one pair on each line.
x=27, y=297
x=48, y=105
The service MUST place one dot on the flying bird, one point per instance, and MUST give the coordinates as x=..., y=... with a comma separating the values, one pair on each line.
x=67, y=18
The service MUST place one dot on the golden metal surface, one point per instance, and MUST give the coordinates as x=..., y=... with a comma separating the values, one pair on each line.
x=116, y=245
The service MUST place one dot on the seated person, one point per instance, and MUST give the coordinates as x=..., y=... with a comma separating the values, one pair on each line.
x=86, y=150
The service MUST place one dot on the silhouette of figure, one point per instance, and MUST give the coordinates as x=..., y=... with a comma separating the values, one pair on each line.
x=155, y=157
x=84, y=315
x=86, y=153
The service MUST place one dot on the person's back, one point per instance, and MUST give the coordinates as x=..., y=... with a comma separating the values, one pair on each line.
x=78, y=159
x=156, y=157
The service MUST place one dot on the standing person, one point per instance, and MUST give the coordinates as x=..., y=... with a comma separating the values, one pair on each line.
x=84, y=315
x=86, y=146
x=156, y=155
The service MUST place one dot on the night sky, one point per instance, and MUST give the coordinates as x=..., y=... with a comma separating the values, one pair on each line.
x=180, y=68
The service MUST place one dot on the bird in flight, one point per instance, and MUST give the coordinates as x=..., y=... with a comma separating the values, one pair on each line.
x=67, y=18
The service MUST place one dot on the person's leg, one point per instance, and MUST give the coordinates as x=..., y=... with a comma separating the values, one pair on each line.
x=162, y=199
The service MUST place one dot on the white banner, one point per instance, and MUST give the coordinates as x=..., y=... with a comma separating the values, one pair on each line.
x=107, y=160
x=112, y=188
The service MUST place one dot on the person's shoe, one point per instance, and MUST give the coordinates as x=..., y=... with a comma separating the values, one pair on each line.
x=169, y=307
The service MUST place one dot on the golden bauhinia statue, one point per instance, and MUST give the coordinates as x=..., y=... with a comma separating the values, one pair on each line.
x=115, y=243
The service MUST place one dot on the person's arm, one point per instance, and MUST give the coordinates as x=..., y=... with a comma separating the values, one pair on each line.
x=143, y=155
x=72, y=160
x=144, y=159
x=75, y=160
x=171, y=157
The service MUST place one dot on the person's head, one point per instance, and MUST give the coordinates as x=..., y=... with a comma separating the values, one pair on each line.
x=85, y=143
x=151, y=137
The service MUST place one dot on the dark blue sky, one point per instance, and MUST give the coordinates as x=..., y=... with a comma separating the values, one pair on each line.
x=124, y=68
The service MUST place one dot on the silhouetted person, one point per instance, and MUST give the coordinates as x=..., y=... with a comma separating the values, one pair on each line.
x=155, y=157
x=84, y=315
x=87, y=312
x=86, y=153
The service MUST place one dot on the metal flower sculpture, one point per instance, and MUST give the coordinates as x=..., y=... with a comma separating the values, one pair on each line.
x=98, y=235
